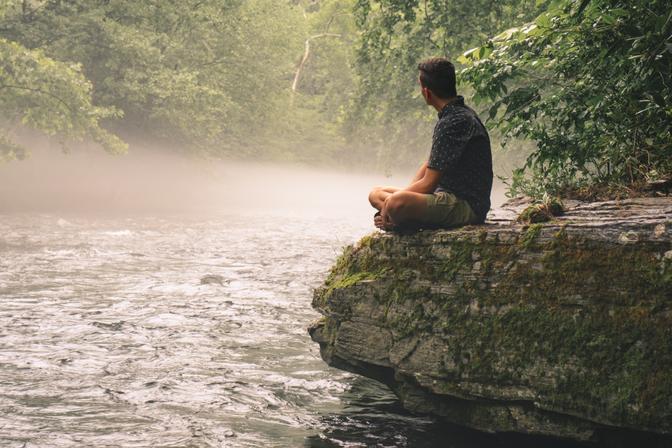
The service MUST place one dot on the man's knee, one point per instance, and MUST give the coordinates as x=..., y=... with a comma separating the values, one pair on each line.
x=374, y=195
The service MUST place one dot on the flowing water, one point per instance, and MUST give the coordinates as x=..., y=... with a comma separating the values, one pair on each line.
x=177, y=331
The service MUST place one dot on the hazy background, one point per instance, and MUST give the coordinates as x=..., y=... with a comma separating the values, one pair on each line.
x=150, y=181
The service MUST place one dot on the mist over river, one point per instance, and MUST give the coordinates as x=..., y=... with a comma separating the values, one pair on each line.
x=180, y=320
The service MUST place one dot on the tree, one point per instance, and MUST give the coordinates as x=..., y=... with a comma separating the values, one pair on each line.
x=49, y=95
x=322, y=85
x=198, y=73
x=588, y=82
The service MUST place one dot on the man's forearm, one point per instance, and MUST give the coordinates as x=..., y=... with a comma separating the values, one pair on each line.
x=427, y=183
x=420, y=174
x=423, y=186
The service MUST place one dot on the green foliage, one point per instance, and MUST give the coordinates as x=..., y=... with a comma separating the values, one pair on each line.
x=196, y=73
x=388, y=112
x=323, y=83
x=50, y=95
x=588, y=82
x=253, y=78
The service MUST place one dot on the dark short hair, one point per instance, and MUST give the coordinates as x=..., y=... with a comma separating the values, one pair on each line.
x=438, y=75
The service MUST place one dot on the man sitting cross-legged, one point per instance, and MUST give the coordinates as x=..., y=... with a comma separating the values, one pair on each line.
x=452, y=188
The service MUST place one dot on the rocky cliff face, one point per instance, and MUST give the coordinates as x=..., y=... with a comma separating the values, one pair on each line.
x=562, y=328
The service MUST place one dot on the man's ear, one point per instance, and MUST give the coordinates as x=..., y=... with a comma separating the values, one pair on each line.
x=427, y=94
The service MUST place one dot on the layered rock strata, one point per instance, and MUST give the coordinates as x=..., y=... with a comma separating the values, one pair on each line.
x=561, y=329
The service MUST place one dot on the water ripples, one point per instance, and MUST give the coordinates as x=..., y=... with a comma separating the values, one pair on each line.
x=110, y=338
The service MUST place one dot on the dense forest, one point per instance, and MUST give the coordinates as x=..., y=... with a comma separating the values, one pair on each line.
x=578, y=93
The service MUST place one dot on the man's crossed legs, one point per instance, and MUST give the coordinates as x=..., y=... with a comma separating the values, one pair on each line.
x=406, y=209
x=397, y=207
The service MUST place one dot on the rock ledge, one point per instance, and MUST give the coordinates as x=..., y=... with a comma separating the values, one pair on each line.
x=561, y=329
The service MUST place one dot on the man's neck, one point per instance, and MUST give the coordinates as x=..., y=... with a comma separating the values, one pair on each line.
x=440, y=103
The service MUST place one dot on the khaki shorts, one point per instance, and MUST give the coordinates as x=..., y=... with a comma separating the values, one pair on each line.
x=447, y=210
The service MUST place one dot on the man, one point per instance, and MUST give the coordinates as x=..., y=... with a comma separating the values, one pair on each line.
x=453, y=187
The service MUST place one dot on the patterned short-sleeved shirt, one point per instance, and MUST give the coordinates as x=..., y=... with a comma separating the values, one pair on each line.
x=461, y=151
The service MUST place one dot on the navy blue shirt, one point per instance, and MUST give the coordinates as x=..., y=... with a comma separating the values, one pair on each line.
x=461, y=152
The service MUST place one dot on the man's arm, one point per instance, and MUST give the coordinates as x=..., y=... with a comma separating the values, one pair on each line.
x=420, y=174
x=427, y=183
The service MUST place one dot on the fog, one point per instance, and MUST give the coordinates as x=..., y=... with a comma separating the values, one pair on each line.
x=152, y=182
x=146, y=181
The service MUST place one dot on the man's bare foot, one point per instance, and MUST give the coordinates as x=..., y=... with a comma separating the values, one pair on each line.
x=381, y=223
x=378, y=221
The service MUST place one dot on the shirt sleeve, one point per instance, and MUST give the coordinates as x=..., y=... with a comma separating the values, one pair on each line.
x=448, y=142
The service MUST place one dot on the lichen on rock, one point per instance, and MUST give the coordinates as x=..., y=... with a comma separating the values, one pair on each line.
x=561, y=329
